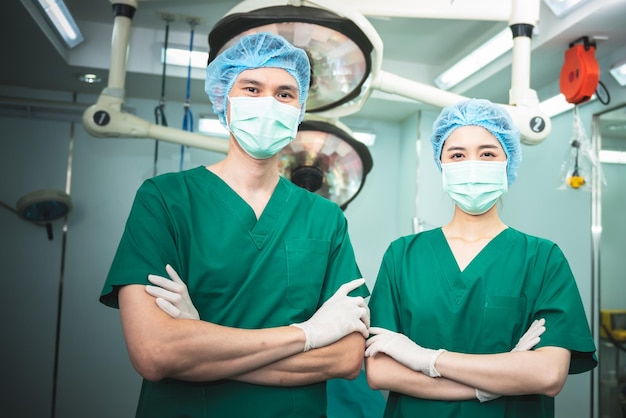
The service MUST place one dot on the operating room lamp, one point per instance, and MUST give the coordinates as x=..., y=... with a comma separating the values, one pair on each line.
x=327, y=160
x=106, y=119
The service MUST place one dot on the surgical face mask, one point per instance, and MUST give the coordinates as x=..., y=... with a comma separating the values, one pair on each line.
x=262, y=125
x=475, y=186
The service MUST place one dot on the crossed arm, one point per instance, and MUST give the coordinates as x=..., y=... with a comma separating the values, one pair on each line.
x=161, y=346
x=542, y=371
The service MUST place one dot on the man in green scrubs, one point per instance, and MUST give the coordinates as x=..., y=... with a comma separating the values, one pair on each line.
x=278, y=304
x=451, y=306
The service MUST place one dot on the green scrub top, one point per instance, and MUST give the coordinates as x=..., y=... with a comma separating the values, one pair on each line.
x=354, y=398
x=517, y=278
x=241, y=272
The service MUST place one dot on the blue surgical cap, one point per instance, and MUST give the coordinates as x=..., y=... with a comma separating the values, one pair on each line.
x=257, y=50
x=479, y=112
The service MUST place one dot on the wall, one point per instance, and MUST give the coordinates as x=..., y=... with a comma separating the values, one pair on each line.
x=384, y=209
x=31, y=264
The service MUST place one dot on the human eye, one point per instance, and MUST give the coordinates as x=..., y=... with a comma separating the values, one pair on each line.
x=286, y=96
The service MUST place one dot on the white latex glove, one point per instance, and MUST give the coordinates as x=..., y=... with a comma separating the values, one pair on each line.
x=339, y=316
x=403, y=350
x=172, y=296
x=527, y=342
x=531, y=337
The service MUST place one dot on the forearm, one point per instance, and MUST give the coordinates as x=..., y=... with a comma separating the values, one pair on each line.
x=385, y=373
x=160, y=346
x=342, y=359
x=542, y=371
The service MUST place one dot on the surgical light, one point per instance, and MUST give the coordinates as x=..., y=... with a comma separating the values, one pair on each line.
x=63, y=22
x=43, y=207
x=476, y=60
x=324, y=158
x=339, y=51
x=618, y=71
x=346, y=53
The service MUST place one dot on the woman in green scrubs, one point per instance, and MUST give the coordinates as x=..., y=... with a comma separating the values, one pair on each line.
x=269, y=266
x=475, y=319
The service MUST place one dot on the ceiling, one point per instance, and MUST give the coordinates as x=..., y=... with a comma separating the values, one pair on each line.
x=415, y=48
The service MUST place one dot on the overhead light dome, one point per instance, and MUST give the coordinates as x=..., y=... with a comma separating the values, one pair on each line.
x=327, y=160
x=339, y=51
x=44, y=206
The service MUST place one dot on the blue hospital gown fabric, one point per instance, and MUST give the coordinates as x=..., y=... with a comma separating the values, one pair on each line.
x=517, y=278
x=240, y=272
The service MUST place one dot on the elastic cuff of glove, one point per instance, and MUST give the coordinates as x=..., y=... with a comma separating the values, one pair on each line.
x=433, y=371
x=307, y=344
x=485, y=396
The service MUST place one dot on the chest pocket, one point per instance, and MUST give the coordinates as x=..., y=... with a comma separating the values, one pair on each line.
x=502, y=320
x=307, y=260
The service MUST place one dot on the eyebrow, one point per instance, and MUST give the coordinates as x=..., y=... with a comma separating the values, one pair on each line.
x=460, y=148
x=288, y=87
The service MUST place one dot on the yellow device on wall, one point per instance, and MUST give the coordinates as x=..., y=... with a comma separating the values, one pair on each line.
x=613, y=324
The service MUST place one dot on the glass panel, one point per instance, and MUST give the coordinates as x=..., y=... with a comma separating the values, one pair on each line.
x=609, y=233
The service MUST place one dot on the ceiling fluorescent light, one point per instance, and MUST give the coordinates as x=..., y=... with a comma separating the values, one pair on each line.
x=178, y=56
x=556, y=105
x=63, y=21
x=210, y=125
x=612, y=157
x=476, y=60
x=618, y=71
x=562, y=7
x=367, y=138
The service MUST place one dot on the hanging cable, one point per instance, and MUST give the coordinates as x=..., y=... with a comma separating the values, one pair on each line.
x=159, y=110
x=57, y=339
x=605, y=97
x=188, y=115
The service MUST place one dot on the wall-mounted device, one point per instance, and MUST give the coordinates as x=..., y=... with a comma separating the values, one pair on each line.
x=613, y=324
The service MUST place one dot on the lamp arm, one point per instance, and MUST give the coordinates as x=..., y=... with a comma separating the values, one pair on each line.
x=107, y=119
x=523, y=106
x=425, y=93
x=524, y=18
x=533, y=124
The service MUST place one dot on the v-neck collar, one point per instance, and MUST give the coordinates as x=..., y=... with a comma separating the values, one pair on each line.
x=259, y=229
x=460, y=281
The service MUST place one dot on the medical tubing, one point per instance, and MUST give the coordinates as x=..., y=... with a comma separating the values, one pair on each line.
x=188, y=115
x=159, y=110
